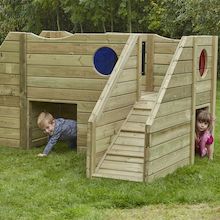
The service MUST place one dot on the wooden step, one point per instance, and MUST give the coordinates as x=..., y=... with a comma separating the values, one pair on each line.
x=150, y=96
x=126, y=153
x=130, y=141
x=144, y=105
x=128, y=148
x=121, y=175
x=134, y=127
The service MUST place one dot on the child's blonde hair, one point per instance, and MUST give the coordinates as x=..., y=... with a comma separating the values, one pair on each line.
x=44, y=116
x=205, y=116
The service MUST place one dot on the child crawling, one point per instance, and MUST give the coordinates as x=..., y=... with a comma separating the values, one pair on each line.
x=57, y=129
x=203, y=136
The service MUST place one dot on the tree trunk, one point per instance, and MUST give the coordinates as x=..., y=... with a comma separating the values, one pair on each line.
x=58, y=19
x=129, y=17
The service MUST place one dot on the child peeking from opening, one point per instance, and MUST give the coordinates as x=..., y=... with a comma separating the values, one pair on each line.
x=57, y=129
x=203, y=136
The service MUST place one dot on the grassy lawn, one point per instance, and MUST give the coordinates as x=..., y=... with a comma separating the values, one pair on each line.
x=56, y=188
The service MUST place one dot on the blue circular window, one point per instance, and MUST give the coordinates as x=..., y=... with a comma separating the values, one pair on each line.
x=104, y=60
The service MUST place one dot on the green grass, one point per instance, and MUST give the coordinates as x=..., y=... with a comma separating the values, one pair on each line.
x=56, y=187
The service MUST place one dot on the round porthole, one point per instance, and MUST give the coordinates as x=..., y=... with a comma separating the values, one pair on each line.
x=203, y=63
x=104, y=60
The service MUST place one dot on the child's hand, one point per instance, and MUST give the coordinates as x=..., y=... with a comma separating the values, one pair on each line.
x=41, y=155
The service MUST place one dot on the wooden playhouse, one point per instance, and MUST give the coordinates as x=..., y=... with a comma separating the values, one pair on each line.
x=136, y=122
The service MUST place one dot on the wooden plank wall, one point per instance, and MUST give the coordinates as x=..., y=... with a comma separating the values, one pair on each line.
x=158, y=54
x=119, y=105
x=163, y=51
x=170, y=136
x=10, y=91
x=61, y=70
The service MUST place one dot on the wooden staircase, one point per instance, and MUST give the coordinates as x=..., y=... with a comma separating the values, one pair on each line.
x=125, y=157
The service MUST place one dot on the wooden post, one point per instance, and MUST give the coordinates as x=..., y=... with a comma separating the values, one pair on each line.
x=24, y=127
x=193, y=109
x=146, y=153
x=150, y=63
x=139, y=63
x=91, y=151
x=214, y=80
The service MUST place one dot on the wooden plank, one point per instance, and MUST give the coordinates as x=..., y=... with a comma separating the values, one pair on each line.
x=9, y=90
x=9, y=57
x=124, y=88
x=76, y=48
x=83, y=106
x=9, y=46
x=167, y=170
x=162, y=58
x=133, y=141
x=174, y=106
x=126, y=153
x=83, y=117
x=7, y=122
x=108, y=130
x=9, y=133
x=114, y=174
x=12, y=112
x=137, y=118
x=10, y=101
x=186, y=54
x=9, y=68
x=131, y=62
x=55, y=59
x=131, y=135
x=120, y=101
x=134, y=127
x=123, y=166
x=124, y=159
x=177, y=80
x=127, y=75
x=203, y=98
x=66, y=83
x=114, y=115
x=168, y=160
x=177, y=93
x=9, y=79
x=165, y=48
x=183, y=66
x=169, y=134
x=203, y=86
x=86, y=38
x=9, y=142
x=167, y=121
x=122, y=147
x=203, y=40
x=62, y=94
x=160, y=39
x=160, y=69
x=63, y=71
x=102, y=145
x=168, y=147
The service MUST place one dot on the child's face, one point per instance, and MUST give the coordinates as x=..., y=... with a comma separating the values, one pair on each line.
x=48, y=127
x=202, y=125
